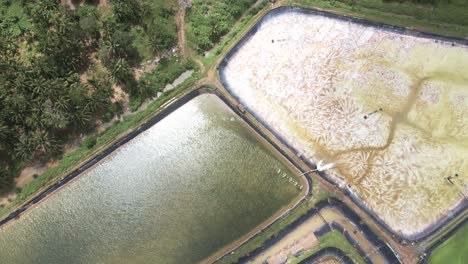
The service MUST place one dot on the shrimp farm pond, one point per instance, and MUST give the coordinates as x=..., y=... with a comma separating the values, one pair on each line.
x=185, y=190
x=390, y=109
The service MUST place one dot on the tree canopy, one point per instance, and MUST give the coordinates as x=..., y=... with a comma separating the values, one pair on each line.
x=210, y=20
x=49, y=86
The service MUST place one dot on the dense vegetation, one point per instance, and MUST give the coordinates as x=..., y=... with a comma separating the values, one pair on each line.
x=209, y=20
x=58, y=67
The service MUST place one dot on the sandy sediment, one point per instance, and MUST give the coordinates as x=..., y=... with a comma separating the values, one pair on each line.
x=390, y=109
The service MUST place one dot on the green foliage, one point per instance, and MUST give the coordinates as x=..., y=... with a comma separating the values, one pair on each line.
x=166, y=72
x=208, y=20
x=142, y=43
x=36, y=107
x=127, y=11
x=89, y=22
x=123, y=74
x=159, y=25
x=441, y=11
x=148, y=26
x=126, y=41
x=135, y=103
x=90, y=142
x=46, y=53
x=57, y=36
x=253, y=11
x=42, y=98
x=5, y=180
x=13, y=19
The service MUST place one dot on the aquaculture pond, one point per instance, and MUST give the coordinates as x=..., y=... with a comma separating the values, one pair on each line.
x=389, y=109
x=183, y=191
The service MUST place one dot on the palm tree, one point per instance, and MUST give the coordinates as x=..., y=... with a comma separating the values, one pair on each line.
x=122, y=72
x=24, y=148
x=62, y=102
x=81, y=117
x=4, y=131
x=43, y=143
x=5, y=180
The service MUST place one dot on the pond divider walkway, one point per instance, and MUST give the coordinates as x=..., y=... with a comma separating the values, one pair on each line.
x=366, y=238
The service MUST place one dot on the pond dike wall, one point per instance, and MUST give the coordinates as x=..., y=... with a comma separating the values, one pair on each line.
x=328, y=252
x=383, y=248
x=418, y=237
x=167, y=111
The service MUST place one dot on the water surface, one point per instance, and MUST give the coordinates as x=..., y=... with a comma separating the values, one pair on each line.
x=180, y=191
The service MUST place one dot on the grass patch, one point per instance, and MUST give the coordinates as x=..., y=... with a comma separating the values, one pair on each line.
x=445, y=18
x=454, y=250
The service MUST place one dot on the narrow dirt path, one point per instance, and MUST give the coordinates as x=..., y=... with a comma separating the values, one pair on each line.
x=184, y=50
x=180, y=21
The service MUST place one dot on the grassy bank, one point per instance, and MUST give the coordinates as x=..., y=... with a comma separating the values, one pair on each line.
x=454, y=250
x=444, y=18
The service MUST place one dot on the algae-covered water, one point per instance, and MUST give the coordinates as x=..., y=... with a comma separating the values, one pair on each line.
x=190, y=185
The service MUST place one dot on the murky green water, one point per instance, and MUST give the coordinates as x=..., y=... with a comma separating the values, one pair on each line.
x=193, y=183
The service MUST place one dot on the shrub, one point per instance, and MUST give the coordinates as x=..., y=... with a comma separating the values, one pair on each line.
x=90, y=142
